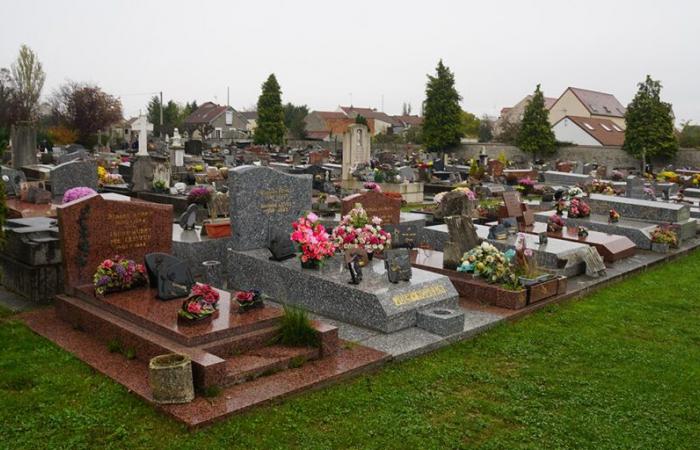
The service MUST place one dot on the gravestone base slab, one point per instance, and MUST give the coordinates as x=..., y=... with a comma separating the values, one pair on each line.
x=375, y=303
x=440, y=321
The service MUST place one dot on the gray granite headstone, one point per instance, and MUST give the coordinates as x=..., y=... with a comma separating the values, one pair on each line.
x=72, y=156
x=73, y=174
x=553, y=177
x=635, y=187
x=263, y=199
x=14, y=178
x=408, y=173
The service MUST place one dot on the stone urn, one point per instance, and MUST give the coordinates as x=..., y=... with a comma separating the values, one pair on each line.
x=170, y=377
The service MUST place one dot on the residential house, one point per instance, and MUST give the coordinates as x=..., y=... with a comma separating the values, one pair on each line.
x=576, y=102
x=219, y=123
x=252, y=120
x=592, y=131
x=514, y=114
x=383, y=122
x=405, y=122
x=327, y=125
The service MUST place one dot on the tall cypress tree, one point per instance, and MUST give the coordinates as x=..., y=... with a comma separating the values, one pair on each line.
x=536, y=135
x=442, y=124
x=649, y=122
x=270, y=128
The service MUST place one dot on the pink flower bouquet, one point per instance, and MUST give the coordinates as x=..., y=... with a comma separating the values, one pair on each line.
x=313, y=239
x=356, y=230
x=76, y=193
x=201, y=303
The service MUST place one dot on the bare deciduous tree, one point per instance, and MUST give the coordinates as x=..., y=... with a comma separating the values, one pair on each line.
x=28, y=80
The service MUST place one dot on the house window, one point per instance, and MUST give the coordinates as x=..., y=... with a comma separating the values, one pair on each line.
x=217, y=133
x=605, y=127
x=229, y=117
x=589, y=126
x=616, y=128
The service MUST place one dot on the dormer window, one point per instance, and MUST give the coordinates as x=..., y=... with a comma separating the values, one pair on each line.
x=589, y=126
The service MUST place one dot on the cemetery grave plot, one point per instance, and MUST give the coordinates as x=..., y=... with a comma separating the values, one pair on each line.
x=233, y=351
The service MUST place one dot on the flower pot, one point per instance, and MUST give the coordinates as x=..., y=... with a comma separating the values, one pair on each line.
x=218, y=229
x=659, y=247
x=313, y=264
x=170, y=377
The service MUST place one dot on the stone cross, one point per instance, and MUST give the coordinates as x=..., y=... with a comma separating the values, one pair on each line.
x=142, y=126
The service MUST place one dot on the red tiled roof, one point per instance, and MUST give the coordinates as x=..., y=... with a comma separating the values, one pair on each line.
x=604, y=131
x=206, y=113
x=410, y=120
x=369, y=113
x=599, y=103
x=549, y=101
x=325, y=115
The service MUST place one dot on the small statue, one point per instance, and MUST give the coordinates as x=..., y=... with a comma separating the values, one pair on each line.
x=355, y=260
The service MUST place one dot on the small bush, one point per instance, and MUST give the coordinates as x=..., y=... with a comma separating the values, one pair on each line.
x=296, y=329
x=114, y=346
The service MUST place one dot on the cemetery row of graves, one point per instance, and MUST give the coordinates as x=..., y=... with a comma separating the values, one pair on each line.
x=224, y=278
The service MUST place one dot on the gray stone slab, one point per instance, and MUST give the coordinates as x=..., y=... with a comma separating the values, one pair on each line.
x=375, y=303
x=264, y=200
x=190, y=246
x=405, y=343
x=692, y=192
x=645, y=210
x=566, y=178
x=73, y=174
x=441, y=321
x=638, y=232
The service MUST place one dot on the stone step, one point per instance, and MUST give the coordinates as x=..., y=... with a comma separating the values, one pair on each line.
x=266, y=361
x=235, y=345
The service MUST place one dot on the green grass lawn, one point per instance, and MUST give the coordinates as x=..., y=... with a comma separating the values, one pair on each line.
x=618, y=369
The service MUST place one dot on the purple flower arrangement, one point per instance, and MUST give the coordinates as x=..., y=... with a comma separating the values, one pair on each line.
x=76, y=193
x=199, y=195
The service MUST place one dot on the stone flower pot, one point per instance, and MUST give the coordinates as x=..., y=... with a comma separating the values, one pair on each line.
x=170, y=377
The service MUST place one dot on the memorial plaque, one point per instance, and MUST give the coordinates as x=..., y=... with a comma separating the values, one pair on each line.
x=94, y=228
x=376, y=204
x=398, y=265
x=261, y=199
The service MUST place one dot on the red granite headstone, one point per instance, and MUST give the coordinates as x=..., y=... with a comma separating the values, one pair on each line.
x=564, y=166
x=376, y=204
x=496, y=167
x=512, y=202
x=94, y=228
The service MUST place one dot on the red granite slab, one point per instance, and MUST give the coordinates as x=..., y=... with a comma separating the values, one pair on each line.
x=17, y=209
x=612, y=247
x=350, y=360
x=141, y=306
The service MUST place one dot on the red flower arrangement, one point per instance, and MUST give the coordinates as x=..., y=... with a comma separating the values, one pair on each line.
x=313, y=239
x=613, y=216
x=201, y=303
x=555, y=223
x=249, y=299
x=578, y=208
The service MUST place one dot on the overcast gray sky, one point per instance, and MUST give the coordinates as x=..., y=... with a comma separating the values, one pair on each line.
x=326, y=53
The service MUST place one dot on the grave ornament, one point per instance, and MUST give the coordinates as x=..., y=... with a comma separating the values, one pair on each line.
x=398, y=265
x=188, y=219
